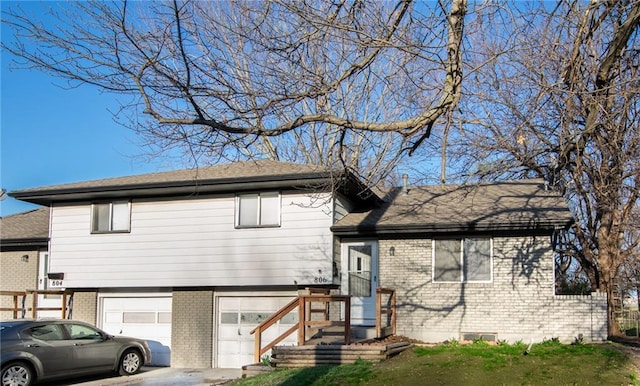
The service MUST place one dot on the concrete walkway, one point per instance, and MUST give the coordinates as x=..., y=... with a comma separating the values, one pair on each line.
x=161, y=376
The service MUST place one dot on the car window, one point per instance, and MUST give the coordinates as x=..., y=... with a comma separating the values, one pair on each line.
x=79, y=331
x=46, y=332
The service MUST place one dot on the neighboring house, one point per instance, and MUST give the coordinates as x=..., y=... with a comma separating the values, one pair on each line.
x=24, y=241
x=193, y=260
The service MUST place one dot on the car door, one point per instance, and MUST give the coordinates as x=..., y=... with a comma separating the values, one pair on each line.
x=46, y=342
x=92, y=351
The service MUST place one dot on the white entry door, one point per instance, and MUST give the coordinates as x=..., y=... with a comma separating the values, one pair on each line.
x=360, y=279
x=47, y=301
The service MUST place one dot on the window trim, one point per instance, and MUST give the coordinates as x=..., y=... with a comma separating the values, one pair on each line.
x=94, y=226
x=463, y=279
x=259, y=224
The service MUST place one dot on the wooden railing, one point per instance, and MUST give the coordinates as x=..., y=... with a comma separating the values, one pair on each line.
x=385, y=312
x=22, y=308
x=258, y=350
x=305, y=310
x=385, y=317
x=303, y=323
x=15, y=309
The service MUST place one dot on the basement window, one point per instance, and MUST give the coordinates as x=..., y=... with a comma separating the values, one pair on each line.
x=111, y=217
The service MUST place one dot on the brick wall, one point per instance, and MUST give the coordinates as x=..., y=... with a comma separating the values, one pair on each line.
x=17, y=275
x=85, y=306
x=519, y=303
x=192, y=332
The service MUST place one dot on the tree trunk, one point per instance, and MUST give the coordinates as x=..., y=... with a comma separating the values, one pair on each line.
x=613, y=328
x=609, y=264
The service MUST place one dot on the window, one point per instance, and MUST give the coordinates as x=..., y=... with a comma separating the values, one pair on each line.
x=110, y=217
x=462, y=260
x=78, y=331
x=46, y=332
x=360, y=270
x=258, y=210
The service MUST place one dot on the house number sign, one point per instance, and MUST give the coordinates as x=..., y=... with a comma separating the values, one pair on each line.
x=55, y=283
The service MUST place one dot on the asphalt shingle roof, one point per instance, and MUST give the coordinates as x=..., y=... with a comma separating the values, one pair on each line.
x=523, y=204
x=226, y=178
x=33, y=224
x=236, y=170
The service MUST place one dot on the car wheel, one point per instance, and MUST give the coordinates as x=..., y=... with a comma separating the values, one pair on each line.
x=17, y=374
x=130, y=363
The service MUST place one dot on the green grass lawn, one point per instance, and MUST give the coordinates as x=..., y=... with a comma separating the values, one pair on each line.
x=548, y=363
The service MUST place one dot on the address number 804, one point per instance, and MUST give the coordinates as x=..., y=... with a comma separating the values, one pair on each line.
x=55, y=283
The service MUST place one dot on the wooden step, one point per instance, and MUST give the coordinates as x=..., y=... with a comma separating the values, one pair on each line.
x=326, y=354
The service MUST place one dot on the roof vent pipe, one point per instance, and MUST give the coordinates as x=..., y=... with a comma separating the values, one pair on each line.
x=405, y=184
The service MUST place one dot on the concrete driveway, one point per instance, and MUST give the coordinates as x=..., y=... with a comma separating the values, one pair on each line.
x=161, y=376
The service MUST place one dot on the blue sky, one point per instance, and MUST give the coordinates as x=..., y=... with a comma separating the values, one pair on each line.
x=50, y=135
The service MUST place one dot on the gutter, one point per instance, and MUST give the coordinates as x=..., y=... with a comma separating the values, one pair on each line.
x=186, y=188
x=32, y=242
x=406, y=229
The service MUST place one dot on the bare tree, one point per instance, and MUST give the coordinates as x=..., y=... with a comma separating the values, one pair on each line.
x=551, y=90
x=558, y=97
x=353, y=82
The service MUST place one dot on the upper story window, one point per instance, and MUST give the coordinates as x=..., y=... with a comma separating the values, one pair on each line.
x=111, y=217
x=462, y=260
x=258, y=210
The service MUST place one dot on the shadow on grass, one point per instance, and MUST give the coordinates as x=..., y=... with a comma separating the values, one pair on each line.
x=361, y=370
x=306, y=376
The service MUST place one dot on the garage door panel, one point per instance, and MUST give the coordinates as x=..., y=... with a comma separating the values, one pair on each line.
x=237, y=316
x=271, y=333
x=230, y=348
x=246, y=348
x=147, y=318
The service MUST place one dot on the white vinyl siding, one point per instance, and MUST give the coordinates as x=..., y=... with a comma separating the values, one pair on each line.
x=462, y=260
x=341, y=207
x=192, y=242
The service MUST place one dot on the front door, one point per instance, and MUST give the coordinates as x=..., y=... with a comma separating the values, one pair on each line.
x=47, y=301
x=360, y=279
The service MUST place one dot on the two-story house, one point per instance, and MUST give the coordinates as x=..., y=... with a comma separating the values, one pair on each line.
x=193, y=260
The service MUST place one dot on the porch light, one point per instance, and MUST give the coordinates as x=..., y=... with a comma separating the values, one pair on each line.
x=24, y=258
x=392, y=251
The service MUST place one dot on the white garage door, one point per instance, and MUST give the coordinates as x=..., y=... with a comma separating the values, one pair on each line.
x=147, y=318
x=237, y=316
